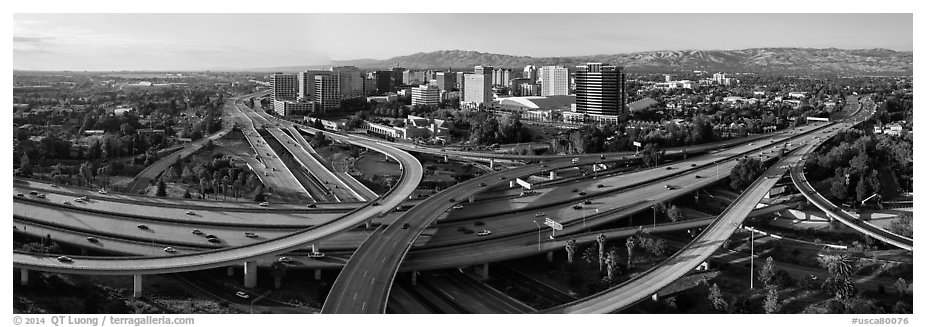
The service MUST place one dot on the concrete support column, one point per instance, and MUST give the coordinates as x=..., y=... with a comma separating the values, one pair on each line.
x=230, y=271
x=550, y=256
x=314, y=248
x=136, y=290
x=512, y=184
x=445, y=158
x=484, y=272
x=552, y=174
x=492, y=163
x=655, y=297
x=369, y=224
x=414, y=278
x=318, y=274
x=472, y=199
x=250, y=274
x=24, y=277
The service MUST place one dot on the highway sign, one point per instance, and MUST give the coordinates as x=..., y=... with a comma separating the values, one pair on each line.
x=553, y=224
x=637, y=144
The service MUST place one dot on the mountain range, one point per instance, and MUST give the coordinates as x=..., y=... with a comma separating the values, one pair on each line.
x=803, y=61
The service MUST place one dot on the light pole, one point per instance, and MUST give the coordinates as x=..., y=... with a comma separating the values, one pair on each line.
x=752, y=243
x=539, y=230
x=654, y=217
x=717, y=166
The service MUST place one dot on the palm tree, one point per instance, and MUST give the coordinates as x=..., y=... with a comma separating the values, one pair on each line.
x=601, y=240
x=570, y=250
x=611, y=264
x=631, y=243
x=225, y=182
x=202, y=187
x=840, y=268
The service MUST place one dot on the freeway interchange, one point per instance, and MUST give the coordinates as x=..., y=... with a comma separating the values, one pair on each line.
x=414, y=240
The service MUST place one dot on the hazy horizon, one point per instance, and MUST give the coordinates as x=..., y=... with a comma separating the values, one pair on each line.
x=196, y=42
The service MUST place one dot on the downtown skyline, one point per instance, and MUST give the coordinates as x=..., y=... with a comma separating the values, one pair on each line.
x=222, y=41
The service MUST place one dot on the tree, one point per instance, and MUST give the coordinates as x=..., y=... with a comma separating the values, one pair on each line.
x=771, y=304
x=631, y=243
x=601, y=241
x=162, y=189
x=25, y=165
x=674, y=214
x=651, y=154
x=187, y=195
x=767, y=274
x=838, y=189
x=840, y=268
x=260, y=197
x=570, y=250
x=744, y=173
x=902, y=286
x=716, y=297
x=611, y=265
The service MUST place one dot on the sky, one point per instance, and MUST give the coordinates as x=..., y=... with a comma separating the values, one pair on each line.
x=177, y=41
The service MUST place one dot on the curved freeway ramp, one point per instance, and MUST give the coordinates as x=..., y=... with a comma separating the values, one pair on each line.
x=411, y=176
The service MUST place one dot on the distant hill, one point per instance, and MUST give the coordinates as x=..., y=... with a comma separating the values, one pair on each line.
x=764, y=60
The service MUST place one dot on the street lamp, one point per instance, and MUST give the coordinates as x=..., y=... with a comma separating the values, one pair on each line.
x=752, y=233
x=539, y=231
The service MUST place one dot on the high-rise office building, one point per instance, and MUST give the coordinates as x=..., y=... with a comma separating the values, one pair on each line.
x=283, y=86
x=530, y=72
x=484, y=70
x=445, y=80
x=477, y=89
x=411, y=77
x=306, y=89
x=350, y=82
x=383, y=81
x=460, y=80
x=426, y=95
x=327, y=95
x=555, y=80
x=501, y=76
x=397, y=74
x=599, y=90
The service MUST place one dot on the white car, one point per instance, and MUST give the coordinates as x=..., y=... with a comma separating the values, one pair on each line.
x=457, y=207
x=265, y=204
x=250, y=234
x=102, y=191
x=190, y=213
x=242, y=294
x=40, y=195
x=65, y=259
x=285, y=260
x=484, y=232
x=79, y=200
x=170, y=250
x=316, y=255
x=66, y=202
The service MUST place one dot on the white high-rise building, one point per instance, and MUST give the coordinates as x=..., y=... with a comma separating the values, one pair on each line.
x=426, y=95
x=530, y=71
x=477, y=89
x=555, y=80
x=283, y=86
x=306, y=90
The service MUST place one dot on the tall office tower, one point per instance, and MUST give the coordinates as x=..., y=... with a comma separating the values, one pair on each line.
x=459, y=79
x=555, y=80
x=477, y=89
x=397, y=74
x=719, y=77
x=446, y=80
x=350, y=81
x=383, y=80
x=484, y=70
x=501, y=77
x=426, y=95
x=306, y=89
x=599, y=89
x=327, y=92
x=411, y=77
x=283, y=86
x=530, y=72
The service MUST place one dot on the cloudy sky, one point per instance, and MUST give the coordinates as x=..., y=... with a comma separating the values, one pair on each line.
x=215, y=41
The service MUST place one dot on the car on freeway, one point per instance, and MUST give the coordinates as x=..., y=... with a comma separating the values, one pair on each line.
x=197, y=232
x=588, y=201
x=311, y=205
x=582, y=193
x=482, y=184
x=539, y=214
x=697, y=176
x=316, y=255
x=453, y=200
x=577, y=207
x=250, y=234
x=92, y=239
x=375, y=203
x=79, y=200
x=265, y=204
x=33, y=193
x=214, y=240
x=501, y=177
x=40, y=195
x=484, y=232
x=669, y=168
x=143, y=226
x=575, y=190
x=20, y=195
x=694, y=165
x=66, y=202
x=242, y=294
x=285, y=260
x=457, y=207
x=190, y=213
x=461, y=228
x=65, y=259
x=479, y=223
x=170, y=250
x=670, y=187
x=405, y=226
x=54, y=185
x=102, y=191
x=600, y=185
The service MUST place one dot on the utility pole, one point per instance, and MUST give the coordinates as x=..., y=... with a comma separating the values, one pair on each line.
x=752, y=243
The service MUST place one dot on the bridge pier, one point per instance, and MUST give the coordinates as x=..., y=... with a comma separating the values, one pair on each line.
x=512, y=184
x=472, y=199
x=230, y=271
x=550, y=256
x=445, y=158
x=552, y=174
x=250, y=274
x=414, y=278
x=24, y=277
x=368, y=224
x=492, y=163
x=314, y=248
x=318, y=274
x=655, y=297
x=484, y=272
x=136, y=289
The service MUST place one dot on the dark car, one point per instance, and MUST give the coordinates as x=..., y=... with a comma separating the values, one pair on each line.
x=600, y=185
x=479, y=223
x=582, y=193
x=482, y=184
x=145, y=227
x=577, y=207
x=311, y=205
x=405, y=225
x=453, y=200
